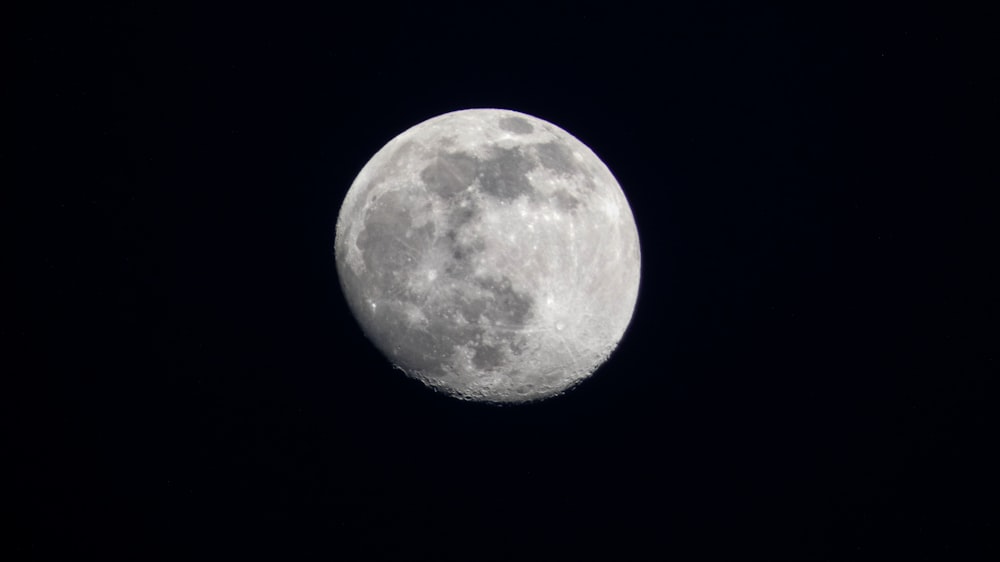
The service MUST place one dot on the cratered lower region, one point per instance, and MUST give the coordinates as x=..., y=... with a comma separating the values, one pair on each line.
x=489, y=254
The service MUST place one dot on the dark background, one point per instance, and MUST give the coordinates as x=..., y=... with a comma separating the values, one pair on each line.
x=808, y=374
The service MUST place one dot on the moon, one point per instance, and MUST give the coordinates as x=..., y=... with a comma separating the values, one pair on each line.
x=489, y=254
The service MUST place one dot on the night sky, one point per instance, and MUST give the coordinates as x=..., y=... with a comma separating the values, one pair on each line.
x=808, y=375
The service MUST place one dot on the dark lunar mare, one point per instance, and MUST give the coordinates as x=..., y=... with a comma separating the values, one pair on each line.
x=450, y=174
x=516, y=125
x=392, y=249
x=504, y=175
x=556, y=157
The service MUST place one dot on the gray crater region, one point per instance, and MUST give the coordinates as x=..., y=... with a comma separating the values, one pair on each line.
x=489, y=254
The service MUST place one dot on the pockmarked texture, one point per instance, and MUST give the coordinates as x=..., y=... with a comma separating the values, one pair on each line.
x=489, y=254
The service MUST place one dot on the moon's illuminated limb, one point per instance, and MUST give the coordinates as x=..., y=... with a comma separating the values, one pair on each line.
x=489, y=254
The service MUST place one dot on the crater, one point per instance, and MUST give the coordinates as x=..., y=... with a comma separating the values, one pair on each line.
x=516, y=125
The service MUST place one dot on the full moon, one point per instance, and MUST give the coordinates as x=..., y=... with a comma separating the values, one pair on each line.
x=489, y=254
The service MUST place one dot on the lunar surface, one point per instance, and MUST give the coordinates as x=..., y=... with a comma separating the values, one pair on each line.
x=489, y=254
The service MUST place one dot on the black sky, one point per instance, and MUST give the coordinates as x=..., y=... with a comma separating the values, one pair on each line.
x=808, y=375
